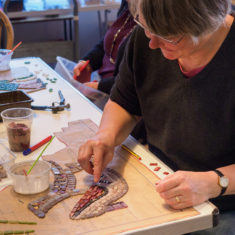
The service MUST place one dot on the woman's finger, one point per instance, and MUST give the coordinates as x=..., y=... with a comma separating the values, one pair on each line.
x=85, y=153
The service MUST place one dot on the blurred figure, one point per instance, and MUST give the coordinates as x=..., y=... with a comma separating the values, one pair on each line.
x=103, y=56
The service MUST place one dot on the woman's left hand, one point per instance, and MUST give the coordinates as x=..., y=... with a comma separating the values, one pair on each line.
x=186, y=188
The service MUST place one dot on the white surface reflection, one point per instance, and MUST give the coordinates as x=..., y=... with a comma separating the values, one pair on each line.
x=40, y=5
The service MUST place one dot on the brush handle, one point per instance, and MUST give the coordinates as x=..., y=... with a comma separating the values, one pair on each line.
x=18, y=44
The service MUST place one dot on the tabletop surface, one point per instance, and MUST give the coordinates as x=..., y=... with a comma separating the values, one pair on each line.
x=146, y=210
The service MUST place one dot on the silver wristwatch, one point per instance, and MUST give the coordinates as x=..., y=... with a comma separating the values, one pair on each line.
x=223, y=181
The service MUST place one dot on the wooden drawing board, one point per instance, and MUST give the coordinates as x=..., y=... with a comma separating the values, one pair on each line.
x=145, y=207
x=146, y=211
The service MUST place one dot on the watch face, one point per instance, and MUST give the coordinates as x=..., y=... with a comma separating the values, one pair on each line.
x=224, y=182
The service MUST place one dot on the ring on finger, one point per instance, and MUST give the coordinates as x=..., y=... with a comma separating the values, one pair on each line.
x=177, y=199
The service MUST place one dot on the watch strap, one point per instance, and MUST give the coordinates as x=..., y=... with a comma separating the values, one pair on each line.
x=220, y=174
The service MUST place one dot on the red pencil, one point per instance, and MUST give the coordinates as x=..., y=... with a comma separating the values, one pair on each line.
x=36, y=146
x=84, y=65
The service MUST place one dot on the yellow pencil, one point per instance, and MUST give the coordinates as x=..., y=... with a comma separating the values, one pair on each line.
x=131, y=152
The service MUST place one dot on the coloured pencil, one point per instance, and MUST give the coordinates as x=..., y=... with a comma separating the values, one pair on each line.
x=36, y=146
x=131, y=152
x=40, y=155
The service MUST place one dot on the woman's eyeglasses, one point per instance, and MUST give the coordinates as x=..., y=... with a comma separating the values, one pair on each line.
x=173, y=42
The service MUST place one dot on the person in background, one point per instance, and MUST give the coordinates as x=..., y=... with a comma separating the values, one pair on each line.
x=178, y=74
x=106, y=57
x=103, y=57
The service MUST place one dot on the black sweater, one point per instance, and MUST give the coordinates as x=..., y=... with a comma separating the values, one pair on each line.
x=190, y=123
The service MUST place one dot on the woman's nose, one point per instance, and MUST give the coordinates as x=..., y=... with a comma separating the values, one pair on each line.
x=154, y=42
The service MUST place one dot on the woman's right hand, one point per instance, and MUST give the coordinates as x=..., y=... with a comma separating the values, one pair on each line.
x=94, y=155
x=85, y=75
x=115, y=126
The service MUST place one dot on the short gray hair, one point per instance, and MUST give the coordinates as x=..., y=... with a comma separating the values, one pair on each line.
x=179, y=17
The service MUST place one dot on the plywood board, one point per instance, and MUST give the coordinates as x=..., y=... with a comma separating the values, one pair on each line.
x=145, y=207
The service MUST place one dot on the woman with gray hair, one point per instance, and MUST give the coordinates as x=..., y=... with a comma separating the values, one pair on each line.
x=178, y=74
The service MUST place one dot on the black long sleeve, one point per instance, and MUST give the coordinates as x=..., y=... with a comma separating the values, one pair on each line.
x=106, y=84
x=96, y=55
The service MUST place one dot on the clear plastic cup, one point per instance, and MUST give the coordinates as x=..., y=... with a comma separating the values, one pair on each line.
x=18, y=122
x=37, y=181
x=5, y=59
x=7, y=159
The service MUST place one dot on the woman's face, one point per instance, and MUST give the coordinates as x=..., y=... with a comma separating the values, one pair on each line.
x=172, y=48
x=171, y=51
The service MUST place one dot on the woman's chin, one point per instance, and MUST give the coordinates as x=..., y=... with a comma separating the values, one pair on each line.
x=170, y=55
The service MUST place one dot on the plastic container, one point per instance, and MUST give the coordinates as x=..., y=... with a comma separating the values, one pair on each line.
x=5, y=59
x=7, y=159
x=13, y=99
x=18, y=122
x=65, y=68
x=37, y=181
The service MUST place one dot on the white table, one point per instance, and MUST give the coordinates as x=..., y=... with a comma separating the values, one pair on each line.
x=45, y=123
